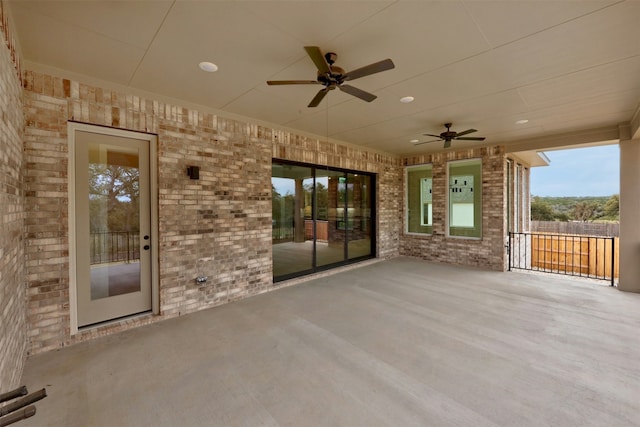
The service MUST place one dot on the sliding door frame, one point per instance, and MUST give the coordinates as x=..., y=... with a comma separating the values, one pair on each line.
x=314, y=209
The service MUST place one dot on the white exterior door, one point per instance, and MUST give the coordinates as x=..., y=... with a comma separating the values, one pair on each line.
x=113, y=228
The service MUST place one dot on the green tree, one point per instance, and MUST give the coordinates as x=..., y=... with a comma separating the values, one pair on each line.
x=114, y=198
x=322, y=199
x=611, y=208
x=585, y=211
x=541, y=210
x=276, y=201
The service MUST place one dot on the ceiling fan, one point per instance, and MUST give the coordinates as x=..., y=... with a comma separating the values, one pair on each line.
x=450, y=135
x=332, y=76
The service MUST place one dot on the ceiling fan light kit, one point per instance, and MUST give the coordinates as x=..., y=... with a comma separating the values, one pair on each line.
x=450, y=135
x=332, y=77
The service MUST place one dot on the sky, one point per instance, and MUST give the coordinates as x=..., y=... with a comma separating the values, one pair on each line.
x=593, y=171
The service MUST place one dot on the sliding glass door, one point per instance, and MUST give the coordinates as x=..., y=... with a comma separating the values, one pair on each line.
x=291, y=199
x=322, y=218
x=329, y=218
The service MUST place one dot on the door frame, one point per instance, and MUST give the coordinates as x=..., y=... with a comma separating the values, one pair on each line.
x=152, y=139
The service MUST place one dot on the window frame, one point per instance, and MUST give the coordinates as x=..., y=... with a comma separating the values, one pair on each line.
x=408, y=219
x=477, y=203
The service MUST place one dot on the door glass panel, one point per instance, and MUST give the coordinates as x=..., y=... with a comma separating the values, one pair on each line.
x=292, y=222
x=330, y=223
x=114, y=220
x=358, y=215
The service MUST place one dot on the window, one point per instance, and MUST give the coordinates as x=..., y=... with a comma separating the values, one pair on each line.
x=419, y=199
x=465, y=198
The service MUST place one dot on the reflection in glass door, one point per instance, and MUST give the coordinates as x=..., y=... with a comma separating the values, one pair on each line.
x=112, y=227
x=336, y=210
x=292, y=224
x=358, y=216
x=330, y=217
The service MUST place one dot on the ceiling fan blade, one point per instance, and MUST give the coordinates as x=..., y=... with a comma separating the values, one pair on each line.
x=465, y=132
x=470, y=138
x=426, y=142
x=318, y=58
x=367, y=70
x=359, y=93
x=447, y=143
x=319, y=96
x=292, y=82
x=430, y=134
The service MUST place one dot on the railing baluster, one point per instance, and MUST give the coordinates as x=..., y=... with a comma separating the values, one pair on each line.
x=525, y=251
x=597, y=265
x=544, y=265
x=565, y=253
x=509, y=248
x=613, y=260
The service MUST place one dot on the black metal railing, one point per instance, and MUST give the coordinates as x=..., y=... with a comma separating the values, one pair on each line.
x=282, y=231
x=593, y=257
x=118, y=246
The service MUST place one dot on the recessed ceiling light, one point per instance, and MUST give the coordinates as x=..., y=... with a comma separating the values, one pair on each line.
x=521, y=122
x=407, y=99
x=209, y=67
x=413, y=141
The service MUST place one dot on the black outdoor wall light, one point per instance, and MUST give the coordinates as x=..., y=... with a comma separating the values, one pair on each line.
x=193, y=172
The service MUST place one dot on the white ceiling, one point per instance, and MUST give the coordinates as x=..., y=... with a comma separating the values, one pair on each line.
x=566, y=66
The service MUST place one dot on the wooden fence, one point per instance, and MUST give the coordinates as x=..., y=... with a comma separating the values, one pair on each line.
x=579, y=228
x=589, y=256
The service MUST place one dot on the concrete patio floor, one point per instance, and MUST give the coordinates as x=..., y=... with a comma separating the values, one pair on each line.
x=396, y=343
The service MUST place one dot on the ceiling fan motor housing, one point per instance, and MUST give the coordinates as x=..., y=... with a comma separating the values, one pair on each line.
x=330, y=57
x=331, y=79
x=448, y=134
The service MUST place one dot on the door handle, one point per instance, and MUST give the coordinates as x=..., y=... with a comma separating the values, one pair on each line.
x=146, y=247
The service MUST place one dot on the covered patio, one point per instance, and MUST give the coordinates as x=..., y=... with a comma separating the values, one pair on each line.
x=399, y=342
